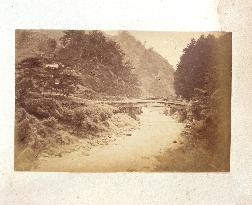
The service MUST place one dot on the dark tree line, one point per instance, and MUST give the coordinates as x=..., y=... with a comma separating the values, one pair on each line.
x=203, y=77
x=205, y=64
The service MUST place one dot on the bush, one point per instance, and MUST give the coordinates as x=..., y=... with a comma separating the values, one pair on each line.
x=172, y=110
x=25, y=127
x=166, y=111
x=45, y=122
x=87, y=119
x=44, y=108
x=104, y=116
x=50, y=122
x=182, y=115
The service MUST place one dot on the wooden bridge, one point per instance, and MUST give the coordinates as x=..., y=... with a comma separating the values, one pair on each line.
x=134, y=107
x=144, y=103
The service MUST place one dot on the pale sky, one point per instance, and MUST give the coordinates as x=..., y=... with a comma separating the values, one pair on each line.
x=168, y=44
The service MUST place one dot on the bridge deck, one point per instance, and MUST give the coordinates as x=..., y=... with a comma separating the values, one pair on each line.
x=144, y=102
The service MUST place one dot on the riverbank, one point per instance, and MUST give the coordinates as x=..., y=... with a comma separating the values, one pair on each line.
x=130, y=149
x=46, y=125
x=199, y=153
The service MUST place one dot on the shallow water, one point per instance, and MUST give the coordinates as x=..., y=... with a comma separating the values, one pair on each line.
x=134, y=151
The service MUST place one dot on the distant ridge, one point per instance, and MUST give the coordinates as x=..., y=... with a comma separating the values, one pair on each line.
x=155, y=73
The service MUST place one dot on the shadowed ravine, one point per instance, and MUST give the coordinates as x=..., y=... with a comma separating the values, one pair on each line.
x=135, y=151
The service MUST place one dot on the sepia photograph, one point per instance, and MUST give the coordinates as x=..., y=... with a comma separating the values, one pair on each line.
x=122, y=101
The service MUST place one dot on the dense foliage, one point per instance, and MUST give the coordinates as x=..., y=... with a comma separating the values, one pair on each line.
x=97, y=60
x=101, y=62
x=203, y=76
x=205, y=64
x=35, y=76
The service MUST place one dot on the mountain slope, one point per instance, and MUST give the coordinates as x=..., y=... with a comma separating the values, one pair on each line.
x=154, y=72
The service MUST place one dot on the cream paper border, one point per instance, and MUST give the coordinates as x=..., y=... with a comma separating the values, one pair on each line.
x=130, y=188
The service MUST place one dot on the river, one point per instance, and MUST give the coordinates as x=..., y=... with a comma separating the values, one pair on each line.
x=136, y=151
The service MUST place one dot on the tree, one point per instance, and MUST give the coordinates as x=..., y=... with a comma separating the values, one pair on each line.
x=101, y=62
x=203, y=76
x=35, y=76
x=197, y=60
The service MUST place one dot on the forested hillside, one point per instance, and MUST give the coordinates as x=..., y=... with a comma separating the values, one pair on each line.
x=148, y=70
x=99, y=61
x=56, y=78
x=153, y=71
x=203, y=77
